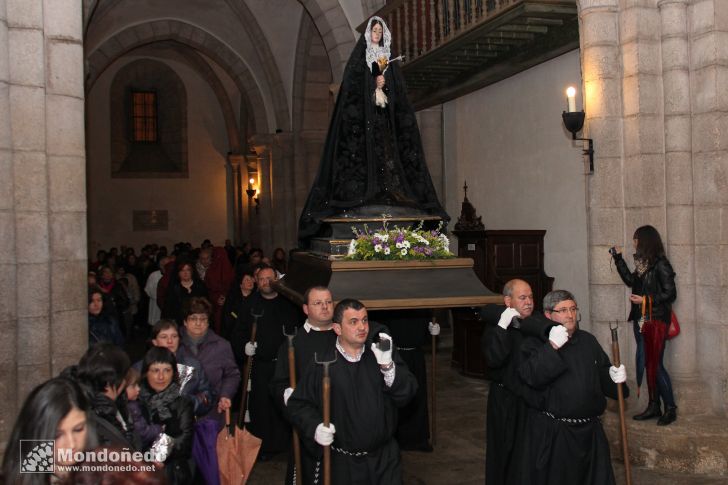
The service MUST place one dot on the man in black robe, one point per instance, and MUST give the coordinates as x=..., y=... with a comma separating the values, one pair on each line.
x=505, y=328
x=316, y=337
x=275, y=312
x=412, y=330
x=369, y=381
x=567, y=379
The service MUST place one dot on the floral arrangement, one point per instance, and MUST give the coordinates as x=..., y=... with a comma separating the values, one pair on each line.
x=399, y=244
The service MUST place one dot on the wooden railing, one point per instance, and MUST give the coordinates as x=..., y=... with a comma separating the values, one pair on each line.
x=420, y=26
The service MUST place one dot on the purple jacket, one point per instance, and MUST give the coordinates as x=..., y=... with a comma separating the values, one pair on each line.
x=147, y=431
x=216, y=356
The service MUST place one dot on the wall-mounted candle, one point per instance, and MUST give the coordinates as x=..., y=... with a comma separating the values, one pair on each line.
x=251, y=182
x=571, y=98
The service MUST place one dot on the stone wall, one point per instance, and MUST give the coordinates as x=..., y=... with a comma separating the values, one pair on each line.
x=196, y=204
x=655, y=81
x=522, y=168
x=42, y=196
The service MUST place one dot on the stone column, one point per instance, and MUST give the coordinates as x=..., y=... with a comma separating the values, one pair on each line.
x=283, y=192
x=237, y=194
x=430, y=123
x=602, y=77
x=43, y=306
x=230, y=170
x=306, y=165
x=250, y=219
x=707, y=27
x=262, y=145
x=680, y=237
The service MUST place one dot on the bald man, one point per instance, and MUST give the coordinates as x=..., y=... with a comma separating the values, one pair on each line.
x=505, y=329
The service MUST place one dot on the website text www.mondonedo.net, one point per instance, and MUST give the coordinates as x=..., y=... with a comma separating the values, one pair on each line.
x=106, y=461
x=105, y=468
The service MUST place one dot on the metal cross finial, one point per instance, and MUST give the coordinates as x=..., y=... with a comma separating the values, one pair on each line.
x=465, y=188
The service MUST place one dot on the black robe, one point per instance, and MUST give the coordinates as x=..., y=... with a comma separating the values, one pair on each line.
x=506, y=410
x=566, y=395
x=364, y=413
x=372, y=155
x=266, y=420
x=178, y=296
x=306, y=345
x=409, y=332
x=236, y=306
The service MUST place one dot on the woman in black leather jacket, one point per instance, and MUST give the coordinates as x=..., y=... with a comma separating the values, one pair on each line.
x=162, y=404
x=653, y=277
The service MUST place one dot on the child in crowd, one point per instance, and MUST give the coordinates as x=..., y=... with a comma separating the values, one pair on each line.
x=146, y=431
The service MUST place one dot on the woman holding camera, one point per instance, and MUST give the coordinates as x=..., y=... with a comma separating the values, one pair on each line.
x=653, y=287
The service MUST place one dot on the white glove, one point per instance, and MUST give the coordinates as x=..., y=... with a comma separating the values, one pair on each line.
x=384, y=357
x=434, y=328
x=507, y=317
x=618, y=374
x=325, y=436
x=558, y=336
x=286, y=394
x=250, y=348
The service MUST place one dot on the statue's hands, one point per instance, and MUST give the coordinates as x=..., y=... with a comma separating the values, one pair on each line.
x=380, y=81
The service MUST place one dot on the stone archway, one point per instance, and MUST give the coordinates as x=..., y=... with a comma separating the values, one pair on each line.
x=197, y=39
x=334, y=28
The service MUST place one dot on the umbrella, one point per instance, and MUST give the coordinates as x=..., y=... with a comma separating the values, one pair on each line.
x=204, y=449
x=237, y=450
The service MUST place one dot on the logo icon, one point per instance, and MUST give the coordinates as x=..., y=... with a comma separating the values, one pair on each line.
x=37, y=456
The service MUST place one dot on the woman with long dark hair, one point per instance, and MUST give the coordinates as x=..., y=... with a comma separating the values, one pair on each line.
x=102, y=324
x=653, y=286
x=55, y=410
x=184, y=285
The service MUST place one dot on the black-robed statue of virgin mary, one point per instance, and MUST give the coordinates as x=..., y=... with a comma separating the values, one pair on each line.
x=373, y=159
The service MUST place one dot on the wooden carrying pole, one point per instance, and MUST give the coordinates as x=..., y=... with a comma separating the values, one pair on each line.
x=433, y=390
x=326, y=398
x=246, y=377
x=292, y=385
x=620, y=396
x=327, y=422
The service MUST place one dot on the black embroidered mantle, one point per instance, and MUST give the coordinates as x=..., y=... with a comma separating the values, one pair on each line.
x=372, y=156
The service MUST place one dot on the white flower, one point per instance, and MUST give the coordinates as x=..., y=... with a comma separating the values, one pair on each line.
x=384, y=237
x=406, y=244
x=399, y=245
x=445, y=242
x=378, y=248
x=386, y=250
x=403, y=252
x=352, y=247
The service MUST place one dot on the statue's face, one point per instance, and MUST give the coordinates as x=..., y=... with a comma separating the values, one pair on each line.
x=376, y=33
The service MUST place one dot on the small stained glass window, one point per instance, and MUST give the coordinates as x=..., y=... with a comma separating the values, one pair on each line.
x=144, y=116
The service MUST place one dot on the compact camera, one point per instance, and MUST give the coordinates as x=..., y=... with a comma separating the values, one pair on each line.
x=613, y=251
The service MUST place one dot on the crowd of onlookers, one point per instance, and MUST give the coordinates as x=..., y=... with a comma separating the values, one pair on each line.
x=180, y=389
x=131, y=291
